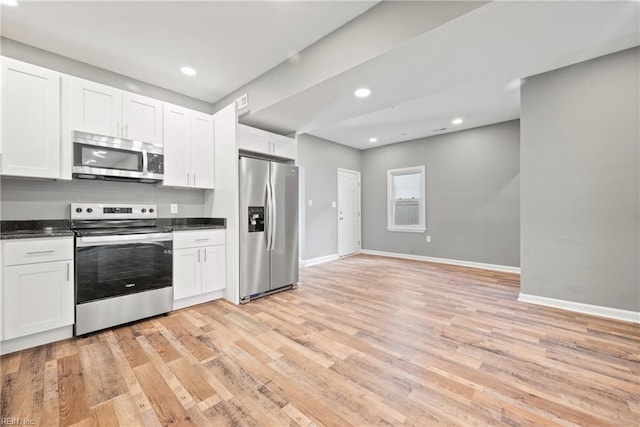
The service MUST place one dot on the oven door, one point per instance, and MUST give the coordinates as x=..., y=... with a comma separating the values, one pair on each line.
x=110, y=266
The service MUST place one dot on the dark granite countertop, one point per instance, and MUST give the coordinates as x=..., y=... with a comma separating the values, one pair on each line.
x=33, y=229
x=181, y=224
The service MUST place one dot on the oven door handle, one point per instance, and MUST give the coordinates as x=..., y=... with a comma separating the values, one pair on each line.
x=122, y=239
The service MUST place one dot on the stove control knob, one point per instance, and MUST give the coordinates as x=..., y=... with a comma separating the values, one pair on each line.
x=143, y=210
x=78, y=210
x=89, y=210
x=151, y=210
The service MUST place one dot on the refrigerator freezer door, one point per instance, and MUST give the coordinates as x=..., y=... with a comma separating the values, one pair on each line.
x=284, y=252
x=254, y=256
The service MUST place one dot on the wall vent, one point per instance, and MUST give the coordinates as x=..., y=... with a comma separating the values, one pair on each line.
x=242, y=102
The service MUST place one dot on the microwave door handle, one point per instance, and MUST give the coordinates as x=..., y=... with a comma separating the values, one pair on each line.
x=145, y=162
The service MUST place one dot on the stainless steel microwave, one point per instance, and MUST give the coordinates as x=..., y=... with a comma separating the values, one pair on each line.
x=118, y=159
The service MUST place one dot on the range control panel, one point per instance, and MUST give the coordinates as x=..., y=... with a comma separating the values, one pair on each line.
x=105, y=211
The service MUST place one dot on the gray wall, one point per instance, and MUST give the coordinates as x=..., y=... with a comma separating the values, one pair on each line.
x=472, y=195
x=580, y=183
x=31, y=199
x=321, y=160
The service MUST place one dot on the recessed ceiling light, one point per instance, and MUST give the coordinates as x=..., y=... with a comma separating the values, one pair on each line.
x=10, y=2
x=363, y=92
x=188, y=71
x=372, y=140
x=457, y=121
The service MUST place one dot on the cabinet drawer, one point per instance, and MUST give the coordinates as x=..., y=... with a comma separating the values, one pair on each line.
x=31, y=251
x=198, y=238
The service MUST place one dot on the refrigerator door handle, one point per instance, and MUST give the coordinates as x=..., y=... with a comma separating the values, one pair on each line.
x=275, y=217
x=269, y=216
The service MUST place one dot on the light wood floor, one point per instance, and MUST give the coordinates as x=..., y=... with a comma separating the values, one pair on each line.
x=363, y=341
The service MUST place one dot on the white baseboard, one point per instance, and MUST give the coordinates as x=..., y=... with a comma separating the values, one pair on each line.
x=319, y=260
x=483, y=266
x=594, y=310
x=198, y=299
x=35, y=340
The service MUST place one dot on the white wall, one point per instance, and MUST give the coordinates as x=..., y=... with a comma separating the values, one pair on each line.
x=223, y=202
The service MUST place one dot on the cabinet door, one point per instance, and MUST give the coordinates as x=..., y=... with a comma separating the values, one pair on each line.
x=202, y=150
x=31, y=120
x=37, y=298
x=142, y=118
x=252, y=139
x=213, y=268
x=176, y=146
x=187, y=273
x=284, y=147
x=96, y=108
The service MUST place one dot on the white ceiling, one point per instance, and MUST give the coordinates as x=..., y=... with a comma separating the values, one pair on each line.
x=464, y=66
x=228, y=43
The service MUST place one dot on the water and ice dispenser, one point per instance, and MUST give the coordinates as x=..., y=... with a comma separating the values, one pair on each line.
x=256, y=219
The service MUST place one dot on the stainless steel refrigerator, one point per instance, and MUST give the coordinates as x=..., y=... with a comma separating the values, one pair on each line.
x=268, y=227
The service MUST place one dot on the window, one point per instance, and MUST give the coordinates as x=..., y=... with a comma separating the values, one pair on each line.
x=405, y=199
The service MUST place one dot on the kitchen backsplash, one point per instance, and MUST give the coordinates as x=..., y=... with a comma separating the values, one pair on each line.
x=33, y=199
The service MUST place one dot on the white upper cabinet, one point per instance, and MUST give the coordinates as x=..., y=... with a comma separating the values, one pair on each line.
x=252, y=139
x=202, y=150
x=176, y=146
x=96, y=108
x=263, y=142
x=284, y=146
x=101, y=109
x=30, y=120
x=188, y=148
x=142, y=118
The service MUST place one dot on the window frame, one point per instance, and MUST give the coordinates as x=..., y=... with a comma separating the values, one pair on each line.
x=391, y=226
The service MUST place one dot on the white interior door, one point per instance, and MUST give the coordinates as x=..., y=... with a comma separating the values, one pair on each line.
x=348, y=212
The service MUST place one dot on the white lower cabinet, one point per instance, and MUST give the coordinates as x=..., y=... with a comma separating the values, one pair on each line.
x=198, y=266
x=187, y=273
x=37, y=291
x=37, y=298
x=213, y=268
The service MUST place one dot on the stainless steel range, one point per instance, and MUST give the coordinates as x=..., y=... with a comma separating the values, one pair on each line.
x=124, y=264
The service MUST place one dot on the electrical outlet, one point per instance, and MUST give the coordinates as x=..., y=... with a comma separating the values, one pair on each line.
x=428, y=239
x=310, y=202
x=333, y=204
x=174, y=208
